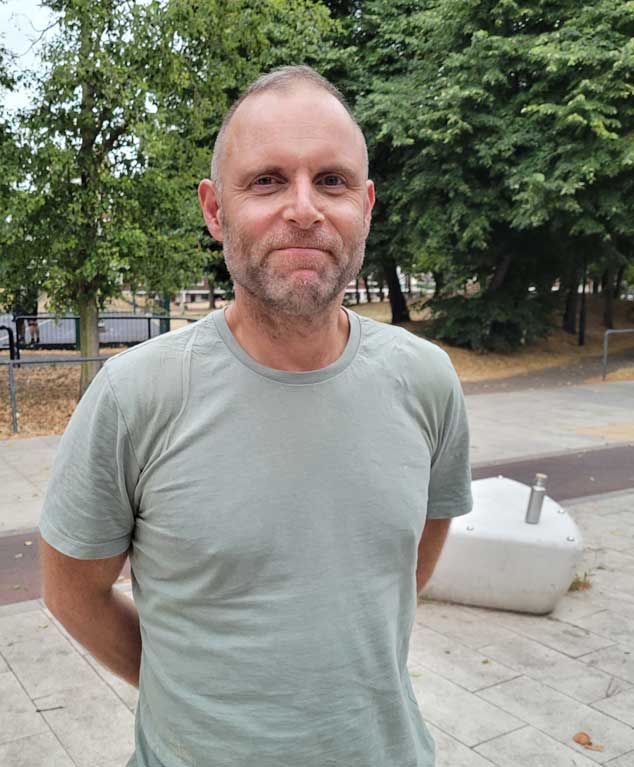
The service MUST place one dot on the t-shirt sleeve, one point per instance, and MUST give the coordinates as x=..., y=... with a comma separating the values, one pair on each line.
x=88, y=510
x=450, y=475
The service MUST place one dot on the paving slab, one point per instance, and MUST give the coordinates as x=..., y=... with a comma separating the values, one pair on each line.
x=555, y=669
x=468, y=668
x=617, y=660
x=35, y=751
x=627, y=760
x=451, y=753
x=18, y=713
x=91, y=723
x=620, y=706
x=561, y=717
x=464, y=716
x=529, y=747
x=562, y=637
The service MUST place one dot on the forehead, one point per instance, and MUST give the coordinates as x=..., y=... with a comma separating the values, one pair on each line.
x=304, y=124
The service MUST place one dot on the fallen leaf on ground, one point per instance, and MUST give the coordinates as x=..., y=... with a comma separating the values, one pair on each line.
x=28, y=543
x=583, y=739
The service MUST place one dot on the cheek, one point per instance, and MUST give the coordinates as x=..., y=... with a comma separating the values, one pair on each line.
x=349, y=219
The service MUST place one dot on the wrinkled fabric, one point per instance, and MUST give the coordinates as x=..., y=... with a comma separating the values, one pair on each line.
x=273, y=520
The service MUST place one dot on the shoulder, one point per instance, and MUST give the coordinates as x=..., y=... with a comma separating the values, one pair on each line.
x=159, y=356
x=149, y=383
x=403, y=353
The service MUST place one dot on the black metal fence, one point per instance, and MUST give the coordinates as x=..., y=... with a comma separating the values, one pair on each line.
x=12, y=364
x=48, y=331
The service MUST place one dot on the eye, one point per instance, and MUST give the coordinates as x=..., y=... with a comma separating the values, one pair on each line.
x=264, y=181
x=332, y=180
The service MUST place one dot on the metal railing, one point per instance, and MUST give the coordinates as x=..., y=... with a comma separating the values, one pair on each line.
x=40, y=361
x=606, y=336
x=63, y=332
x=16, y=362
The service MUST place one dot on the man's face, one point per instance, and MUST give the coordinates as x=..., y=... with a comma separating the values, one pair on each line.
x=295, y=204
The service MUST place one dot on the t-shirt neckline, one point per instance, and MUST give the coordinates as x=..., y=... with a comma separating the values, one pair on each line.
x=287, y=376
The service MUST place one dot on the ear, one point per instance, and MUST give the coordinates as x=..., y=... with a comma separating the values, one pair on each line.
x=210, y=205
x=368, y=205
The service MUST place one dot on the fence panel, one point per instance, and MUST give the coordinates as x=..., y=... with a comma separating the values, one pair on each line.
x=39, y=394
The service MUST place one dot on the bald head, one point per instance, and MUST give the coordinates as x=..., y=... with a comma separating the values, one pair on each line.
x=283, y=80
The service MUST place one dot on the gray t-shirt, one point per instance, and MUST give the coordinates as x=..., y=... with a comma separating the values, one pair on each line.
x=273, y=520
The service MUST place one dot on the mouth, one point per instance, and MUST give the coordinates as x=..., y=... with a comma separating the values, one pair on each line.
x=301, y=260
x=301, y=251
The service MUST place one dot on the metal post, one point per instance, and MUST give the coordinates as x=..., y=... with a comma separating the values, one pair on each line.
x=164, y=322
x=14, y=404
x=536, y=500
x=149, y=327
x=77, y=334
x=605, y=353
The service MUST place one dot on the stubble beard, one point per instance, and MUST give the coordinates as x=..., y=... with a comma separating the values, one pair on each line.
x=283, y=291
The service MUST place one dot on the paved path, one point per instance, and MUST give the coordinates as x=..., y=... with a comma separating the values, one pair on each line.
x=573, y=374
x=496, y=688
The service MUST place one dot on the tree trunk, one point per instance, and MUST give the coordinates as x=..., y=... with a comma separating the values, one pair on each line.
x=381, y=289
x=582, y=313
x=439, y=283
x=88, y=338
x=400, y=312
x=501, y=270
x=570, y=312
x=619, y=282
x=366, y=281
x=604, y=281
x=356, y=291
x=595, y=287
x=608, y=306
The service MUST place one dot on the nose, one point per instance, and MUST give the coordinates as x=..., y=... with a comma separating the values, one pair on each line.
x=303, y=208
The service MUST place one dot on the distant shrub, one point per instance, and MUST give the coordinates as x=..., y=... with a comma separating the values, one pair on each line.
x=491, y=322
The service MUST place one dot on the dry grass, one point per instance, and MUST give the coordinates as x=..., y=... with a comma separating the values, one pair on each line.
x=47, y=394
x=580, y=583
x=560, y=349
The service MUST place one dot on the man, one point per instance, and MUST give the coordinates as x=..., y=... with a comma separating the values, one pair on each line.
x=282, y=475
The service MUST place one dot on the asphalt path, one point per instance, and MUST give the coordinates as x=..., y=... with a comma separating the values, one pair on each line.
x=571, y=475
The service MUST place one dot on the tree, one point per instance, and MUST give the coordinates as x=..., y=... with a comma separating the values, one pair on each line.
x=366, y=63
x=129, y=97
x=8, y=167
x=506, y=135
x=216, y=50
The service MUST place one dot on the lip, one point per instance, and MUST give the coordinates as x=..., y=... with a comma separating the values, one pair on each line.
x=294, y=251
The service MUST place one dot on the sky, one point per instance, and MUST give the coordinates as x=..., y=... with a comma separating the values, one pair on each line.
x=20, y=24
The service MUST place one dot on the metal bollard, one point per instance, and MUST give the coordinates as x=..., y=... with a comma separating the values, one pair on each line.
x=536, y=500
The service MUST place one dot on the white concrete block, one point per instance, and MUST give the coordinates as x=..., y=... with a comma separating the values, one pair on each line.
x=493, y=558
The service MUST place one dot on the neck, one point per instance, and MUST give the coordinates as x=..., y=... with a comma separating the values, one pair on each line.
x=287, y=342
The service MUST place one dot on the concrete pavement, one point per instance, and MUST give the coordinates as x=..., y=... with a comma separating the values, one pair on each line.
x=496, y=688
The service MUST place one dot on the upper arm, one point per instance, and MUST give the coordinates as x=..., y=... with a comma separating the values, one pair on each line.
x=67, y=581
x=450, y=471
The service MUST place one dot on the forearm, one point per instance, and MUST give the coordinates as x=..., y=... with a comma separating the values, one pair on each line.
x=109, y=629
x=429, y=550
